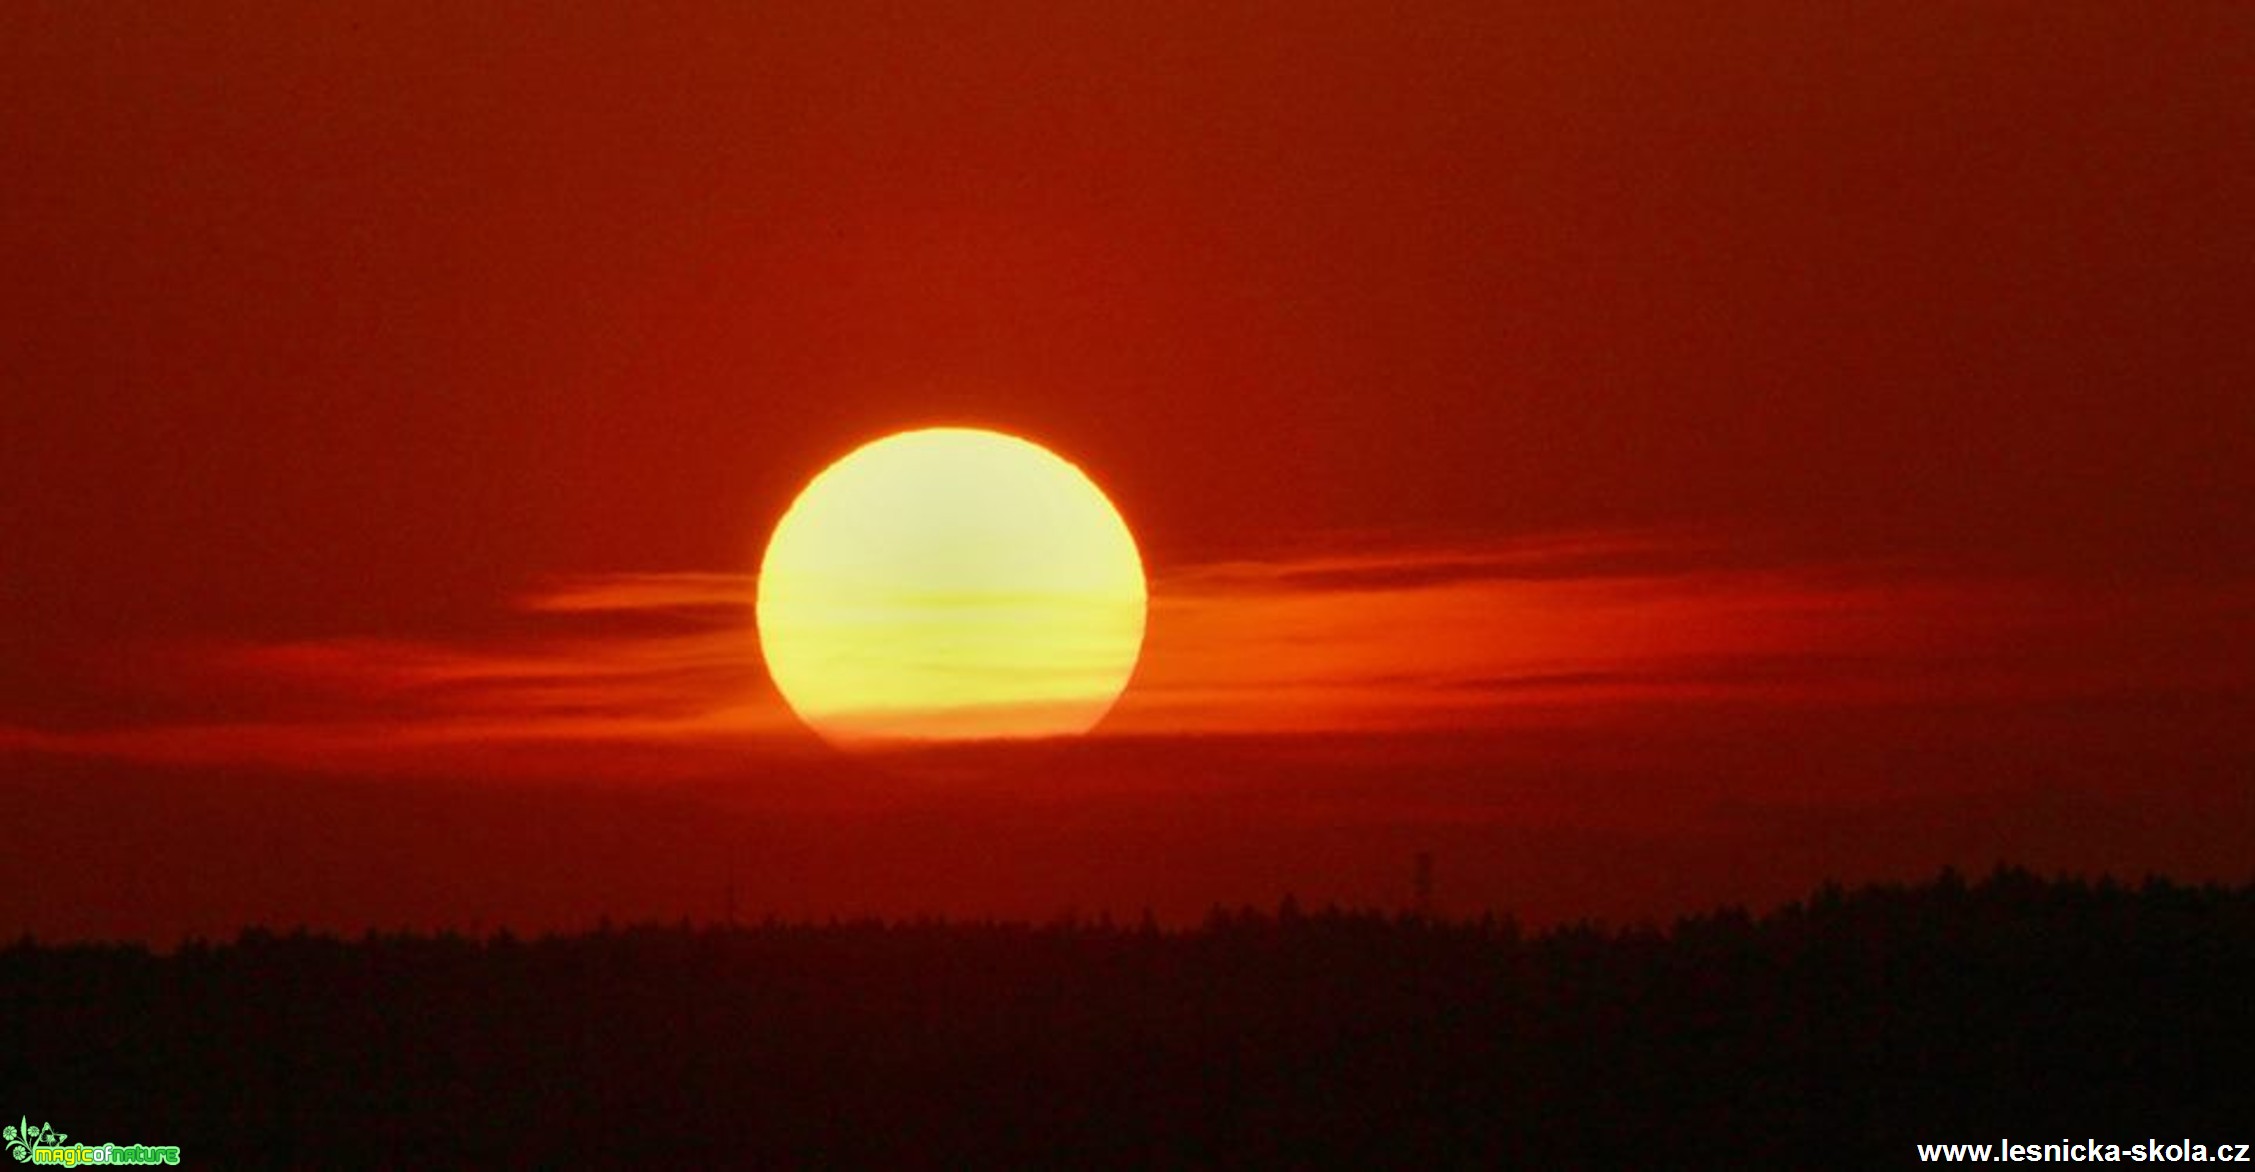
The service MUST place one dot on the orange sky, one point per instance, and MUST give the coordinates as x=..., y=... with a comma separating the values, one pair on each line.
x=1557, y=433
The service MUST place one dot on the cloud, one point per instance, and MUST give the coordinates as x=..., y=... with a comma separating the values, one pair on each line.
x=1586, y=626
x=661, y=672
x=643, y=671
x=685, y=594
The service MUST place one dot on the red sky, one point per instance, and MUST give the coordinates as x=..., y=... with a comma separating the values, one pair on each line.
x=1646, y=454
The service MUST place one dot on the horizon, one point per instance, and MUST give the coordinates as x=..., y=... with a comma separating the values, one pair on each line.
x=1286, y=913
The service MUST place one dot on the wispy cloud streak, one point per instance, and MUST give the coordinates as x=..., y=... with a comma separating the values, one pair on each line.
x=664, y=668
x=1585, y=626
x=674, y=593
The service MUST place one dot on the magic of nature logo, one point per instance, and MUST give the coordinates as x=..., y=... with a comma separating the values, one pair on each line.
x=45, y=1145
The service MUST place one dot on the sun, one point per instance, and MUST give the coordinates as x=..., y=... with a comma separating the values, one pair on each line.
x=951, y=584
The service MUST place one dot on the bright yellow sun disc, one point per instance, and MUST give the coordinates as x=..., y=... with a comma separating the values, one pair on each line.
x=951, y=584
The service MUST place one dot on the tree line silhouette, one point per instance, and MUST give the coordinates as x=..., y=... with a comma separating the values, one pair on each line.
x=1836, y=1031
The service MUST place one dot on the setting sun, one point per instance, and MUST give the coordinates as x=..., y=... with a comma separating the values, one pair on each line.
x=951, y=584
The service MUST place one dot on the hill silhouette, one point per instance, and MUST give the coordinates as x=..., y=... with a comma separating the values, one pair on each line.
x=1840, y=1030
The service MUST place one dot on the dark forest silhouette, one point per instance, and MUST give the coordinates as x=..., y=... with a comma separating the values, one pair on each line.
x=1836, y=1031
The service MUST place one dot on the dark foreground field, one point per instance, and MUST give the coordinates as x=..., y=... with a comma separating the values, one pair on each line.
x=1835, y=1032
